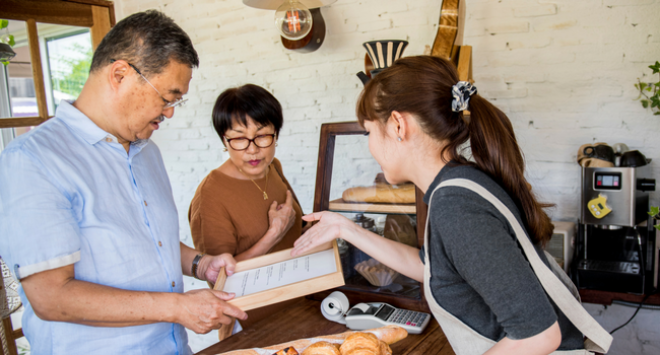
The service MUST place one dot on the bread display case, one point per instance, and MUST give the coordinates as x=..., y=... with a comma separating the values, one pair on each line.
x=349, y=181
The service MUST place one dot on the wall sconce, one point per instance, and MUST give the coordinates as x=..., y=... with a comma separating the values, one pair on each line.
x=299, y=22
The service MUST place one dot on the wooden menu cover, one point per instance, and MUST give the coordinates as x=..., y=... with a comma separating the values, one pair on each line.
x=278, y=277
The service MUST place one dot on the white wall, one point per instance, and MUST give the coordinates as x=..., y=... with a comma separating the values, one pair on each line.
x=563, y=70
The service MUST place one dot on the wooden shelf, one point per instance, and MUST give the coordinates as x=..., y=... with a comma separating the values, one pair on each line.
x=340, y=205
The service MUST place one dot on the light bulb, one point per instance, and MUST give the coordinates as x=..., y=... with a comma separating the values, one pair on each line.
x=293, y=20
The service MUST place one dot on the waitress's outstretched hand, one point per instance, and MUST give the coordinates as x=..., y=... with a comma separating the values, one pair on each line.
x=329, y=227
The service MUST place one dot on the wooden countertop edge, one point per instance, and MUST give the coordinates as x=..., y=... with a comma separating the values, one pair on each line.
x=606, y=297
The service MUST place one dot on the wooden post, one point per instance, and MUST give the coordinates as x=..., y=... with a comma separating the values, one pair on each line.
x=37, y=72
x=101, y=18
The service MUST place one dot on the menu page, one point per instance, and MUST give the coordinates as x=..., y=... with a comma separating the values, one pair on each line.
x=281, y=274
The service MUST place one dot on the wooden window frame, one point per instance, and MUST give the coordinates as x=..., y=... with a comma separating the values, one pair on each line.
x=98, y=15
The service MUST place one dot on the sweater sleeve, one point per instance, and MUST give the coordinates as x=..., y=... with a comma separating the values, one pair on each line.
x=479, y=244
x=213, y=231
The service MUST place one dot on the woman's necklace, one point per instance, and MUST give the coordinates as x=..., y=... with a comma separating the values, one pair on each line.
x=255, y=184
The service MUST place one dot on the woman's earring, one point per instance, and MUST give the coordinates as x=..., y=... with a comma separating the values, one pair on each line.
x=276, y=144
x=225, y=150
x=399, y=139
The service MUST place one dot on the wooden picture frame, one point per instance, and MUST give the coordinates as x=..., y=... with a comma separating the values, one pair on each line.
x=287, y=292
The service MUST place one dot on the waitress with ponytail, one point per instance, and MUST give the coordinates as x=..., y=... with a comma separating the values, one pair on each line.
x=484, y=270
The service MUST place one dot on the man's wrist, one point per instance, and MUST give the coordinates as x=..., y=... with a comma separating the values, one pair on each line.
x=195, y=269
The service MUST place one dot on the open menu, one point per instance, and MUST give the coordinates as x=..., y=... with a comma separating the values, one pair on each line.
x=282, y=273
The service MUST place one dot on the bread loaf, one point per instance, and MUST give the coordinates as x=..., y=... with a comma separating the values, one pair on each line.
x=390, y=334
x=381, y=193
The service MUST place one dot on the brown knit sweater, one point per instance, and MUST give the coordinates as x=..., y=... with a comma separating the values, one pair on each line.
x=229, y=215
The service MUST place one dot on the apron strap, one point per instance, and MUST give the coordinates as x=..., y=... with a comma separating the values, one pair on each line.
x=598, y=339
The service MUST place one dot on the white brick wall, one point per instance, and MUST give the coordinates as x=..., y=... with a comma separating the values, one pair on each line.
x=563, y=70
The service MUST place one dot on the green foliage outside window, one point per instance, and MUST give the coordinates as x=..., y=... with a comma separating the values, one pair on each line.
x=6, y=38
x=71, y=78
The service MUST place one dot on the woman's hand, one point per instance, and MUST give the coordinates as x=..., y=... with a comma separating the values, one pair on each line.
x=329, y=227
x=281, y=217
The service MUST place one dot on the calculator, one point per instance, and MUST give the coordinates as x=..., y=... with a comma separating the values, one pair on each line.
x=374, y=315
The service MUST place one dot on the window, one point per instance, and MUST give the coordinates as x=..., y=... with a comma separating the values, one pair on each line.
x=54, y=40
x=66, y=53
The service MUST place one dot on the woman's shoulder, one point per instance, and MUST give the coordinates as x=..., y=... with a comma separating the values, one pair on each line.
x=277, y=164
x=463, y=201
x=213, y=184
x=474, y=174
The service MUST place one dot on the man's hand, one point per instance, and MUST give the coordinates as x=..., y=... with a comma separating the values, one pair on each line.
x=55, y=295
x=210, y=266
x=204, y=310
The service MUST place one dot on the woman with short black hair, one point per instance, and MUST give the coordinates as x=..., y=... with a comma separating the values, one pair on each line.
x=246, y=207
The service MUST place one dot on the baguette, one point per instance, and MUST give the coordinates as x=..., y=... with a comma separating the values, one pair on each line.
x=381, y=193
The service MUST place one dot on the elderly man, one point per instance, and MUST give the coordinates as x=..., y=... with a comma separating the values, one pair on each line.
x=87, y=219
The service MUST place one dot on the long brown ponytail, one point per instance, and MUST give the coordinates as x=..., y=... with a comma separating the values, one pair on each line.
x=422, y=86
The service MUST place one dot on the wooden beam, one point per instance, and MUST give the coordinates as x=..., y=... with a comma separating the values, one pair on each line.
x=92, y=2
x=101, y=27
x=18, y=333
x=21, y=122
x=37, y=71
x=465, y=63
x=46, y=11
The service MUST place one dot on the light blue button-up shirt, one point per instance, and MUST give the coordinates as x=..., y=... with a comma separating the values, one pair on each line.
x=70, y=194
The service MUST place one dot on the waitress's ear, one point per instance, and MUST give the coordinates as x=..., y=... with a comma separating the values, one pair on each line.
x=399, y=125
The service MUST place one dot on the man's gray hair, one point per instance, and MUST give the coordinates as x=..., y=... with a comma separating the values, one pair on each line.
x=148, y=40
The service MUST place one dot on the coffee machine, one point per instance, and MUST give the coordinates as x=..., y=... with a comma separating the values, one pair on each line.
x=617, y=246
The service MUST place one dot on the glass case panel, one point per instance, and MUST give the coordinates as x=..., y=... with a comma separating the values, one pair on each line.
x=359, y=191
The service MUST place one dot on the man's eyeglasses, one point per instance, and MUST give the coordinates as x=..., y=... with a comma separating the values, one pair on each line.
x=168, y=103
x=242, y=143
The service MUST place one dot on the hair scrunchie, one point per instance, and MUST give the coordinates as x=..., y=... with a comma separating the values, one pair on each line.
x=462, y=92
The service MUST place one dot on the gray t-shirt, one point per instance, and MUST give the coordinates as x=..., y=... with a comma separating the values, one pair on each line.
x=479, y=273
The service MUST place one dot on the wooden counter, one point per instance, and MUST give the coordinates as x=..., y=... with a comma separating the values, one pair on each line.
x=304, y=320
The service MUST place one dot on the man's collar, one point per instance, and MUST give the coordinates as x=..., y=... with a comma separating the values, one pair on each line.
x=86, y=128
x=81, y=124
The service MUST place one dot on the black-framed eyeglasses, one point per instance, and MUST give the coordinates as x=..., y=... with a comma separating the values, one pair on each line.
x=242, y=143
x=168, y=103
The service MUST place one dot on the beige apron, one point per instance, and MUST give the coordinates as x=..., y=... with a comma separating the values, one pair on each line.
x=465, y=340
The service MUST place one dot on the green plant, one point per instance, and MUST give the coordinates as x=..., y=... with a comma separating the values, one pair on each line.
x=649, y=93
x=655, y=213
x=6, y=39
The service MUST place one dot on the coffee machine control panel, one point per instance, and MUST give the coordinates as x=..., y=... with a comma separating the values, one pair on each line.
x=607, y=181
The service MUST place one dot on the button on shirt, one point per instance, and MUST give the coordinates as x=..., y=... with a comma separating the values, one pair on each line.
x=70, y=194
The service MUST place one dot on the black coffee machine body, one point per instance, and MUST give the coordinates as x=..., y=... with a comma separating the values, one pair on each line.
x=617, y=246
